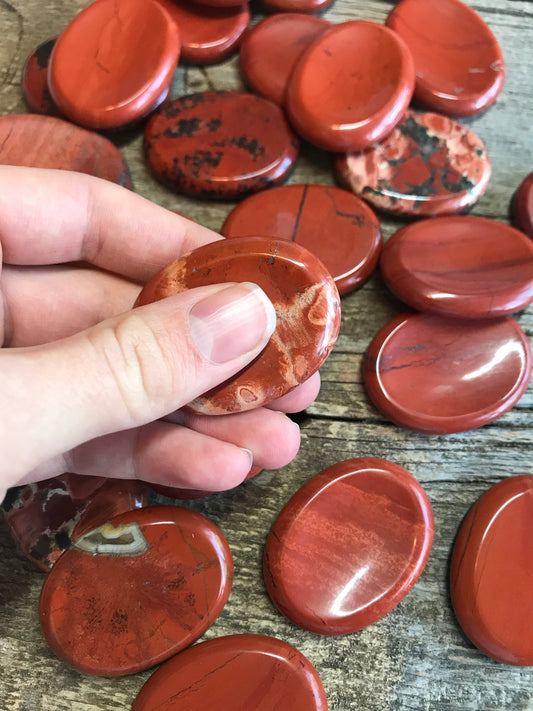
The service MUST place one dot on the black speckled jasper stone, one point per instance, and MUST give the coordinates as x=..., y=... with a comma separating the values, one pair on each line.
x=220, y=145
x=34, y=80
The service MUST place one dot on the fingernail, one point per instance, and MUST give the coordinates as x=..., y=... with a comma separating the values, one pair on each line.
x=232, y=322
x=250, y=454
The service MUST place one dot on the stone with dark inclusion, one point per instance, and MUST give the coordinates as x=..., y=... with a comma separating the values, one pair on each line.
x=35, y=81
x=429, y=165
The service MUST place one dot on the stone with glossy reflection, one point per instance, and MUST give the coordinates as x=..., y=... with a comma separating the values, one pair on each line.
x=466, y=267
x=177, y=493
x=46, y=142
x=220, y=145
x=270, y=50
x=307, y=306
x=340, y=229
x=114, y=62
x=236, y=673
x=348, y=546
x=35, y=79
x=443, y=375
x=492, y=572
x=459, y=64
x=522, y=206
x=46, y=517
x=351, y=86
x=429, y=165
x=136, y=591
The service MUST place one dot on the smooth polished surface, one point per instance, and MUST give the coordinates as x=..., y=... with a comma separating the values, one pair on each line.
x=491, y=574
x=235, y=673
x=445, y=375
x=429, y=165
x=220, y=145
x=113, y=63
x=207, y=34
x=522, y=206
x=466, y=267
x=46, y=142
x=348, y=546
x=334, y=225
x=459, y=64
x=307, y=307
x=303, y=6
x=35, y=79
x=271, y=49
x=351, y=86
x=135, y=591
x=46, y=517
x=176, y=493
x=217, y=3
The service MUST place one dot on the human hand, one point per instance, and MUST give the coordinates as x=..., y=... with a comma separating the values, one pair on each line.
x=85, y=381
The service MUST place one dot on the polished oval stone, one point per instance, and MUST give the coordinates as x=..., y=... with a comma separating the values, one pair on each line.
x=114, y=62
x=236, y=673
x=459, y=64
x=522, y=206
x=351, y=86
x=443, y=375
x=467, y=267
x=136, y=590
x=348, y=546
x=301, y=6
x=217, y=3
x=307, y=307
x=35, y=80
x=207, y=34
x=174, y=492
x=429, y=165
x=492, y=572
x=220, y=145
x=46, y=142
x=270, y=50
x=46, y=517
x=331, y=223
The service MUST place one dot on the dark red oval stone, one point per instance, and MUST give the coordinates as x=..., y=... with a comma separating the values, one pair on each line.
x=207, y=34
x=220, y=145
x=348, y=546
x=466, y=267
x=237, y=673
x=35, y=80
x=459, y=64
x=187, y=494
x=429, y=165
x=136, y=591
x=112, y=64
x=311, y=215
x=270, y=50
x=351, y=86
x=45, y=142
x=46, y=517
x=218, y=3
x=492, y=572
x=302, y=6
x=442, y=375
x=522, y=206
x=307, y=306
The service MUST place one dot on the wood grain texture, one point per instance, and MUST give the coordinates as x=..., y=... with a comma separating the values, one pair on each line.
x=416, y=658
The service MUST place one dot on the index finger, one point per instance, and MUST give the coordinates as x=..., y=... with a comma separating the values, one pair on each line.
x=55, y=216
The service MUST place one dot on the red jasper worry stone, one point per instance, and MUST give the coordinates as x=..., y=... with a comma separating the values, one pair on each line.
x=46, y=142
x=459, y=64
x=35, y=82
x=177, y=493
x=270, y=50
x=218, y=3
x=44, y=518
x=244, y=672
x=492, y=572
x=429, y=165
x=302, y=6
x=331, y=223
x=444, y=375
x=466, y=267
x=351, y=86
x=522, y=206
x=220, y=145
x=207, y=34
x=348, y=546
x=114, y=62
x=136, y=590
x=304, y=296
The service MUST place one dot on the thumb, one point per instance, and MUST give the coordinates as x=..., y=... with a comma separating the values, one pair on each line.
x=126, y=371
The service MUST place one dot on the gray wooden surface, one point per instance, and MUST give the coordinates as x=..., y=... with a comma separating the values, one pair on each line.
x=416, y=657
